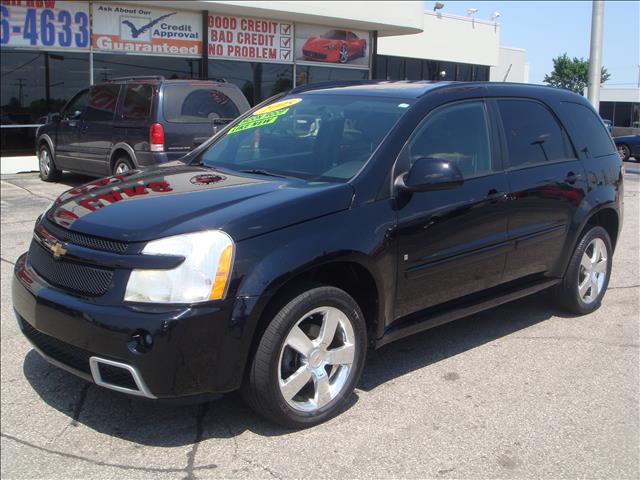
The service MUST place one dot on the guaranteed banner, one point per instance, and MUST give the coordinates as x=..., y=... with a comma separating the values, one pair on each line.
x=250, y=39
x=45, y=23
x=147, y=31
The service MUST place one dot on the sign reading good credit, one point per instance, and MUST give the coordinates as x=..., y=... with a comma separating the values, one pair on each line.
x=144, y=30
x=250, y=39
x=44, y=23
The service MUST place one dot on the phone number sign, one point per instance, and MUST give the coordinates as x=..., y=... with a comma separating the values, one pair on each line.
x=52, y=24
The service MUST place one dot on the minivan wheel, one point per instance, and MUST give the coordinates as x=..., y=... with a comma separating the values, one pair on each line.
x=46, y=165
x=309, y=359
x=587, y=277
x=121, y=165
x=624, y=152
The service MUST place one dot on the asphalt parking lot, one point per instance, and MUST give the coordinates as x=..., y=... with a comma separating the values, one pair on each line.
x=521, y=391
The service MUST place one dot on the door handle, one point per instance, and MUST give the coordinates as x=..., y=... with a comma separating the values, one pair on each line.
x=495, y=196
x=572, y=177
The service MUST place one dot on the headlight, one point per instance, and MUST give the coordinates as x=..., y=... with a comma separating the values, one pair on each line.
x=204, y=274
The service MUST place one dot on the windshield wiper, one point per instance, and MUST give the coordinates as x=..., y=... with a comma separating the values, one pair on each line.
x=257, y=171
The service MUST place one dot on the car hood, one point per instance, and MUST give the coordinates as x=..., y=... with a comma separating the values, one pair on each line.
x=627, y=138
x=142, y=206
x=319, y=42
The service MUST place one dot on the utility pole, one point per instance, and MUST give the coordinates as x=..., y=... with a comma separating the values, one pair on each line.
x=595, y=56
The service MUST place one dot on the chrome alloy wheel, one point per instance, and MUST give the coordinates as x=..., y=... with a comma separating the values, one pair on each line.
x=593, y=270
x=316, y=359
x=122, y=167
x=45, y=161
x=344, y=54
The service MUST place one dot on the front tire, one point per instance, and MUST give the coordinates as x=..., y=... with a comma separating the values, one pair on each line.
x=343, y=54
x=309, y=359
x=587, y=276
x=46, y=165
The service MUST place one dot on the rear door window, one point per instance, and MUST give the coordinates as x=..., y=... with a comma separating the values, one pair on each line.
x=101, y=105
x=137, y=102
x=588, y=131
x=532, y=133
x=189, y=103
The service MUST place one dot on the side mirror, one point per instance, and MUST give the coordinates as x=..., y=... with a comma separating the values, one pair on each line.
x=429, y=174
x=53, y=117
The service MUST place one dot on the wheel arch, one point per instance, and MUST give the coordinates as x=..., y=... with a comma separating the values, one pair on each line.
x=46, y=140
x=120, y=149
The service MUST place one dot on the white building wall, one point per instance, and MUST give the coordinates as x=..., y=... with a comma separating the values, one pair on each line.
x=389, y=18
x=511, y=66
x=447, y=38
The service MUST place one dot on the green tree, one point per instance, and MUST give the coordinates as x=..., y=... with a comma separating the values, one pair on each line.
x=572, y=74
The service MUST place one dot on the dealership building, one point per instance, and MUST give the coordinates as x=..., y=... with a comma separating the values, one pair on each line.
x=51, y=49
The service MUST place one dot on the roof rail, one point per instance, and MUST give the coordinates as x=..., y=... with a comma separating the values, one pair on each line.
x=136, y=77
x=332, y=84
x=215, y=79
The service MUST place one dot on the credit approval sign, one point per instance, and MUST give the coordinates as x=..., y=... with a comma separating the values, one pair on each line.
x=145, y=30
x=245, y=38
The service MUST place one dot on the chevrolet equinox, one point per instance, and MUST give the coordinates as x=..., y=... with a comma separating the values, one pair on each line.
x=325, y=221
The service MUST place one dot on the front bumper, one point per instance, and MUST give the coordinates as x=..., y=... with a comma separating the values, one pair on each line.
x=195, y=350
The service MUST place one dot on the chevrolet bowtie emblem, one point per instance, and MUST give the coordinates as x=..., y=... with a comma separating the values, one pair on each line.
x=58, y=250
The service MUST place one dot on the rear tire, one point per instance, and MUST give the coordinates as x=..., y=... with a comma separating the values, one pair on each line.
x=309, y=359
x=624, y=152
x=587, y=277
x=121, y=165
x=47, y=166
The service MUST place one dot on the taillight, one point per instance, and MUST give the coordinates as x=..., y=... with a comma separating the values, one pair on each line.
x=156, y=137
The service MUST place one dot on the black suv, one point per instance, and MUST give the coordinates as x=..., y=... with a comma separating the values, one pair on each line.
x=331, y=219
x=134, y=122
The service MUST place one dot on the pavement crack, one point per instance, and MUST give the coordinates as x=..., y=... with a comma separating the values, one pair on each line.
x=28, y=191
x=191, y=455
x=98, y=463
x=623, y=286
x=79, y=405
x=7, y=261
x=237, y=455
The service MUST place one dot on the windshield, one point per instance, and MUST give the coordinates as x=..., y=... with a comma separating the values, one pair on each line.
x=335, y=34
x=198, y=103
x=317, y=137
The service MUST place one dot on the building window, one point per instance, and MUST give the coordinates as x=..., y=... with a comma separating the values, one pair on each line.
x=33, y=85
x=622, y=114
x=400, y=68
x=258, y=81
x=108, y=65
x=307, y=74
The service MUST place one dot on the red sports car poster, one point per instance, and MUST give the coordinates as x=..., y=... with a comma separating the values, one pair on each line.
x=315, y=43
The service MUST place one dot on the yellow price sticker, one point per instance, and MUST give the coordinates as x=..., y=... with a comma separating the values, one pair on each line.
x=277, y=106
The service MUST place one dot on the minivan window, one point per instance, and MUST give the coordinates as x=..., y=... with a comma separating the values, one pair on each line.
x=533, y=134
x=190, y=103
x=315, y=137
x=102, y=102
x=76, y=106
x=589, y=131
x=137, y=102
x=458, y=134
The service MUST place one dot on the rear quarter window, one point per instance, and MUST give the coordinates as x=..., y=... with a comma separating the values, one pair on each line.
x=587, y=130
x=101, y=105
x=191, y=103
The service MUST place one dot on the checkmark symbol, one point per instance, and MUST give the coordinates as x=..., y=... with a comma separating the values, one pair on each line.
x=285, y=29
x=285, y=42
x=285, y=54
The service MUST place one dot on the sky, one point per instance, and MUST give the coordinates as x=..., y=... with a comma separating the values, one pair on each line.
x=548, y=29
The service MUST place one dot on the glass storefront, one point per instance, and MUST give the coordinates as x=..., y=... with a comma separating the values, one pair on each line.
x=306, y=74
x=258, y=81
x=108, y=65
x=400, y=68
x=622, y=114
x=33, y=85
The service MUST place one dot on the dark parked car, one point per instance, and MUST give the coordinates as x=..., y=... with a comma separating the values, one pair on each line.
x=628, y=146
x=334, y=218
x=134, y=122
